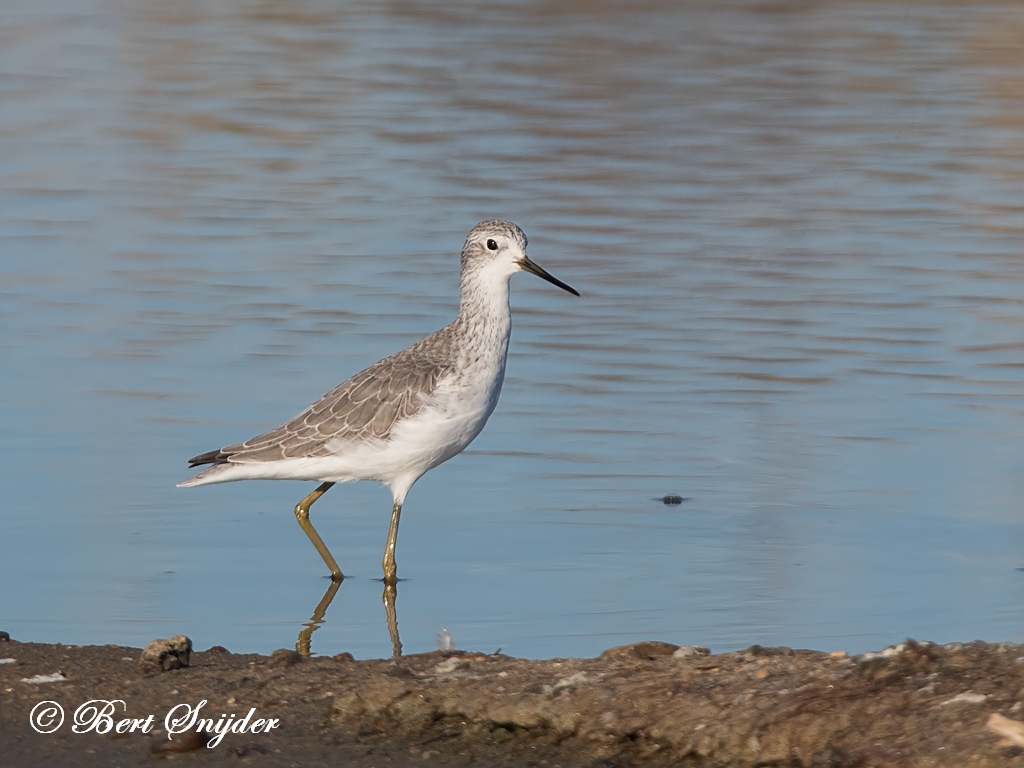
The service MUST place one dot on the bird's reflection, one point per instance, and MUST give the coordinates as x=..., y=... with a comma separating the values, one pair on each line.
x=304, y=644
x=390, y=597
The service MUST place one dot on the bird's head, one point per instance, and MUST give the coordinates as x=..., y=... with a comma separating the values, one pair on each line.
x=497, y=249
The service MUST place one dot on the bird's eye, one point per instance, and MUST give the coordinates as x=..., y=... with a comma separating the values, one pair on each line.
x=491, y=245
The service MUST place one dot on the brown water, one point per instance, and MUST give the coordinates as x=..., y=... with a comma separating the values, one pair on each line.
x=797, y=227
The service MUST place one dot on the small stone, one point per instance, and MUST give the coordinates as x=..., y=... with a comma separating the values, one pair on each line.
x=837, y=655
x=217, y=649
x=4, y=637
x=448, y=666
x=179, y=742
x=967, y=697
x=649, y=650
x=1012, y=731
x=684, y=651
x=345, y=657
x=567, y=682
x=283, y=657
x=165, y=655
x=888, y=653
x=760, y=650
x=55, y=677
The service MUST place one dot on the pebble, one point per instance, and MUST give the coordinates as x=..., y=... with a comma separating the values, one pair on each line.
x=179, y=742
x=56, y=677
x=888, y=653
x=283, y=657
x=1011, y=730
x=649, y=650
x=685, y=651
x=448, y=666
x=968, y=697
x=165, y=655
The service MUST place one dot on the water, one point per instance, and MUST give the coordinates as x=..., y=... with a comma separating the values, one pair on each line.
x=797, y=228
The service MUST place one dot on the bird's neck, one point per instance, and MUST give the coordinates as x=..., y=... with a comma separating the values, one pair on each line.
x=485, y=297
x=484, y=308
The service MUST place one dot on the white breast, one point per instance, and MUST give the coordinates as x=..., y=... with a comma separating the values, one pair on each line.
x=448, y=421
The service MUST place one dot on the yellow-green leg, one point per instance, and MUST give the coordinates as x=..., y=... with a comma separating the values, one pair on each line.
x=302, y=515
x=390, y=569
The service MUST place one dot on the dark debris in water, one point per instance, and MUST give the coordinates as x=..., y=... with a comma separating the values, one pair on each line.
x=672, y=500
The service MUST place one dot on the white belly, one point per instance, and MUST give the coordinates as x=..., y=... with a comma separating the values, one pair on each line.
x=442, y=428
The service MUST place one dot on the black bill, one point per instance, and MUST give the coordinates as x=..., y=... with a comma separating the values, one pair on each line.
x=529, y=266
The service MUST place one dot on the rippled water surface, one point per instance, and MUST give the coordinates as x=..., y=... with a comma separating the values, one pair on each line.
x=797, y=228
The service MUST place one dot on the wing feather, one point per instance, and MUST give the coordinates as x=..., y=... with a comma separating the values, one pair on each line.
x=364, y=407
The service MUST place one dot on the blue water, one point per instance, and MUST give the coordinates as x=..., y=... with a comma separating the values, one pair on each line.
x=797, y=230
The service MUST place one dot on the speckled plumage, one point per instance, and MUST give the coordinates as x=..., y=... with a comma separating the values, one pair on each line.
x=372, y=402
x=365, y=407
x=409, y=412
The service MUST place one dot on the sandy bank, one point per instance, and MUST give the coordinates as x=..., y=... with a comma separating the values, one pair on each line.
x=649, y=704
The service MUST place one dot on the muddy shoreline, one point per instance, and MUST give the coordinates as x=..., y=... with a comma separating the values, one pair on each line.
x=648, y=704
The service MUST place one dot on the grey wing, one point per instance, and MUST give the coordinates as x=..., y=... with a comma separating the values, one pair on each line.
x=366, y=406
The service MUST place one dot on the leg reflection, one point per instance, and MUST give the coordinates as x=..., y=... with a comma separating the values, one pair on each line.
x=302, y=645
x=390, y=596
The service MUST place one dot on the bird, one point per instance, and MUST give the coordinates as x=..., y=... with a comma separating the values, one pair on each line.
x=405, y=414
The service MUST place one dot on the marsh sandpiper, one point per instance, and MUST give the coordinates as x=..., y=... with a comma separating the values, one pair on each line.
x=407, y=413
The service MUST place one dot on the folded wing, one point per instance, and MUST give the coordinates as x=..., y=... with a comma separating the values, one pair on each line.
x=365, y=407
